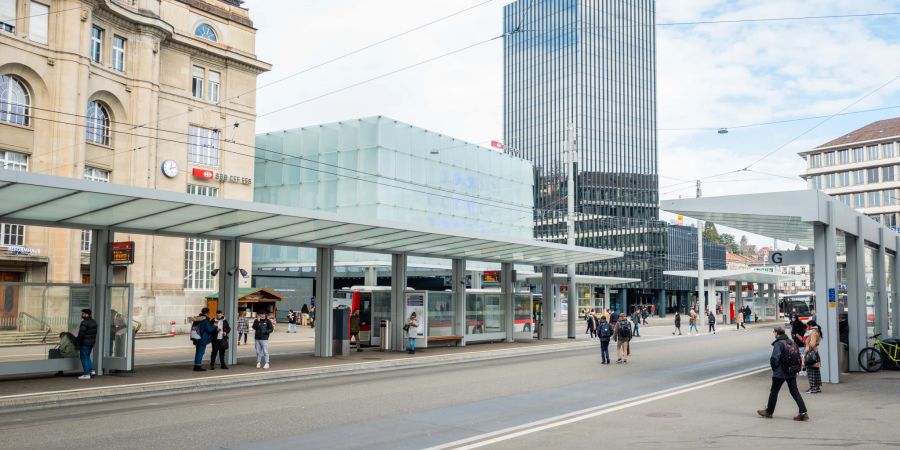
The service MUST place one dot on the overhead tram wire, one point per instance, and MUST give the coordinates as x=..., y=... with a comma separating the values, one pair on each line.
x=775, y=19
x=776, y=122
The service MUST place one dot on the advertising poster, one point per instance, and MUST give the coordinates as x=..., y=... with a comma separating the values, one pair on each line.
x=416, y=303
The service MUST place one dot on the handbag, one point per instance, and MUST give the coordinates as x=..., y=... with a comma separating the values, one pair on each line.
x=54, y=353
x=812, y=358
x=224, y=345
x=406, y=327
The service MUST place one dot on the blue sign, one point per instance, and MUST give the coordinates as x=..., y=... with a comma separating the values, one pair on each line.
x=832, y=295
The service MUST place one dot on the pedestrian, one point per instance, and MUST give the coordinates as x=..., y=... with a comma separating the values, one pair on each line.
x=354, y=328
x=312, y=316
x=613, y=318
x=622, y=334
x=87, y=337
x=785, y=362
x=202, y=332
x=262, y=328
x=677, y=323
x=304, y=315
x=811, y=359
x=412, y=330
x=219, y=341
x=243, y=328
x=604, y=332
x=292, y=321
x=590, y=319
x=652, y=309
x=712, y=322
x=692, y=323
x=644, y=315
x=739, y=321
x=606, y=314
x=798, y=333
x=636, y=319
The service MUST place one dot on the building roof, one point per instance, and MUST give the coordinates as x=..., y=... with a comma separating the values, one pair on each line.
x=871, y=132
x=734, y=257
x=743, y=275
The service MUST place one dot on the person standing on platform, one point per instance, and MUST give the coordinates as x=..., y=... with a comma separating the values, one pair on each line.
x=87, y=337
x=622, y=335
x=785, y=362
x=219, y=341
x=243, y=328
x=304, y=315
x=262, y=328
x=605, y=333
x=693, y=323
x=412, y=330
x=739, y=320
x=811, y=359
x=677, y=323
x=202, y=332
x=354, y=329
x=712, y=322
x=292, y=321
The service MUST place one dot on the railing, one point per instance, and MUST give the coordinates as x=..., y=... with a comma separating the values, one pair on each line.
x=25, y=315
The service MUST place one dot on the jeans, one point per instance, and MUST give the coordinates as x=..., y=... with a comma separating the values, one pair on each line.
x=198, y=354
x=637, y=328
x=412, y=344
x=85, y=353
x=712, y=328
x=792, y=387
x=244, y=335
x=694, y=328
x=292, y=328
x=604, y=351
x=217, y=350
x=262, y=348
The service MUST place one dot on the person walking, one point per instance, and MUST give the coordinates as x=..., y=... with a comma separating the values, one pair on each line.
x=304, y=315
x=677, y=323
x=636, y=320
x=354, y=328
x=712, y=321
x=87, y=337
x=784, y=361
x=692, y=322
x=606, y=315
x=739, y=320
x=412, y=330
x=605, y=333
x=312, y=316
x=202, y=332
x=262, y=328
x=644, y=313
x=219, y=341
x=590, y=319
x=622, y=334
x=292, y=321
x=811, y=359
x=243, y=328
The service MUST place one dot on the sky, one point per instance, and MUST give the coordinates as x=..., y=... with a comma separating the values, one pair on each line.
x=709, y=76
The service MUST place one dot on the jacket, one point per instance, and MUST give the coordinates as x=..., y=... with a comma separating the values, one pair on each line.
x=694, y=318
x=207, y=330
x=678, y=320
x=812, y=343
x=413, y=328
x=616, y=336
x=87, y=333
x=222, y=329
x=354, y=324
x=711, y=318
x=263, y=329
x=775, y=360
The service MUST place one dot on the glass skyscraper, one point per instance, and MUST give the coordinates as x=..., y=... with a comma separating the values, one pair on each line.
x=589, y=66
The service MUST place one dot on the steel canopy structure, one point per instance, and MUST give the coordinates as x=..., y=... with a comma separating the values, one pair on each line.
x=744, y=276
x=35, y=199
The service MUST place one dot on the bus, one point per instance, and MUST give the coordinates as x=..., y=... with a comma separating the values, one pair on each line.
x=804, y=302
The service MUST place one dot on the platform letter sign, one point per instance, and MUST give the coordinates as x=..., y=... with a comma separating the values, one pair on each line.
x=791, y=257
x=121, y=253
x=832, y=298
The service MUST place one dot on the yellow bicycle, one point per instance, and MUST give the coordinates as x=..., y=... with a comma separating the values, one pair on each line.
x=871, y=359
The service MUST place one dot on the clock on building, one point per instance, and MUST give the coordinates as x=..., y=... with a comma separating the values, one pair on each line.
x=169, y=168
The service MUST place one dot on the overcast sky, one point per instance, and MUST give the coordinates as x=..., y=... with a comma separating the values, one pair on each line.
x=709, y=76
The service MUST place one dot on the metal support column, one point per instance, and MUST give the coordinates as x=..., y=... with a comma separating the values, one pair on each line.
x=738, y=295
x=895, y=286
x=770, y=300
x=507, y=290
x=398, y=300
x=101, y=275
x=856, y=295
x=458, y=278
x=549, y=303
x=324, y=301
x=661, y=303
x=606, y=297
x=229, y=255
x=882, y=321
x=826, y=272
x=371, y=277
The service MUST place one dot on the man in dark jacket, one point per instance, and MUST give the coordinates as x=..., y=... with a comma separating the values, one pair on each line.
x=263, y=328
x=219, y=341
x=780, y=376
x=87, y=337
x=205, y=329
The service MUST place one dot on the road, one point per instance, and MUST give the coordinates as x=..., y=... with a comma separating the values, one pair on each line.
x=413, y=408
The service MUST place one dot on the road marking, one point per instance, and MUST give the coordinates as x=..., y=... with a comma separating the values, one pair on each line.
x=588, y=413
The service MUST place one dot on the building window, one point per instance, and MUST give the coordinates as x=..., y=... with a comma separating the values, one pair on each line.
x=845, y=199
x=872, y=175
x=873, y=198
x=844, y=178
x=199, y=254
x=214, y=82
x=15, y=103
x=859, y=200
x=815, y=161
x=96, y=44
x=888, y=149
x=197, y=82
x=872, y=152
x=859, y=177
x=858, y=155
x=887, y=173
x=888, y=197
x=829, y=159
x=203, y=146
x=890, y=220
x=8, y=16
x=118, y=53
x=12, y=234
x=13, y=161
x=206, y=32
x=37, y=22
x=830, y=180
x=843, y=156
x=97, y=123
x=100, y=176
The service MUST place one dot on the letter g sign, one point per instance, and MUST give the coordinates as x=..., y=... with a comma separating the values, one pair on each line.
x=777, y=258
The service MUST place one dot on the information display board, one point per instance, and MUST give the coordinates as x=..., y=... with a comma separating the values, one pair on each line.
x=121, y=253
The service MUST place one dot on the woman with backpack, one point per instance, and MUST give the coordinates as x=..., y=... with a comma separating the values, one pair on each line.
x=605, y=333
x=811, y=359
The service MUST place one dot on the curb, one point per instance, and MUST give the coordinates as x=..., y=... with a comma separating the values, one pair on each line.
x=86, y=396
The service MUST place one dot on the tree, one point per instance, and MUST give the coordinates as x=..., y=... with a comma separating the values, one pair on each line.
x=728, y=241
x=796, y=246
x=710, y=234
x=744, y=241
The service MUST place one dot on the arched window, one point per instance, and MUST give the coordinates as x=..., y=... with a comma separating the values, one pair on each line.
x=206, y=32
x=15, y=103
x=97, y=123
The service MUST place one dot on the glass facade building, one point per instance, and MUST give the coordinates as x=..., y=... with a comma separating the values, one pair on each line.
x=583, y=73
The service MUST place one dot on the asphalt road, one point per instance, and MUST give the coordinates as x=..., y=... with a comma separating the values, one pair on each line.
x=412, y=408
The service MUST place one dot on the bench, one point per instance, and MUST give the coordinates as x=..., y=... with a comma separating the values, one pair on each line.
x=450, y=339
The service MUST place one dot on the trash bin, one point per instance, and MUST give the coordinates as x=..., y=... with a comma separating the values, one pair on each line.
x=844, y=358
x=341, y=334
x=384, y=328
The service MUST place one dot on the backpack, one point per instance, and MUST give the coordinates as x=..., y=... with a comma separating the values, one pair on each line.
x=195, y=332
x=624, y=329
x=605, y=330
x=790, y=358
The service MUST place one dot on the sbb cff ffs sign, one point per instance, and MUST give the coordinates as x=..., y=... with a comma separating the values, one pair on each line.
x=121, y=253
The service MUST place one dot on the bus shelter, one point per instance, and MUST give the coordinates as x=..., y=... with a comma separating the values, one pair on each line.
x=104, y=209
x=820, y=222
x=763, y=284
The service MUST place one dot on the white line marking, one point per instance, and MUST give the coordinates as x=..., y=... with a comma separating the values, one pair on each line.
x=584, y=414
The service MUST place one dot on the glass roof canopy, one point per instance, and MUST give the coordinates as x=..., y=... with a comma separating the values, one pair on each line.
x=36, y=199
x=742, y=275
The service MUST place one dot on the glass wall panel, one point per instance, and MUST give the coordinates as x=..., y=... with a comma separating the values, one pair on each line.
x=441, y=320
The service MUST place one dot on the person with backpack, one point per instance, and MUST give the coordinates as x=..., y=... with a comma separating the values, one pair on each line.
x=677, y=323
x=219, y=341
x=622, y=335
x=693, y=323
x=262, y=327
x=605, y=333
x=87, y=337
x=202, y=332
x=712, y=321
x=811, y=359
x=786, y=363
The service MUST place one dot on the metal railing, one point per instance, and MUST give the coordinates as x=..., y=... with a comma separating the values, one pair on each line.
x=25, y=315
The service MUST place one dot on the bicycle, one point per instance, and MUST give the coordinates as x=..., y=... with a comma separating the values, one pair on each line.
x=871, y=359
